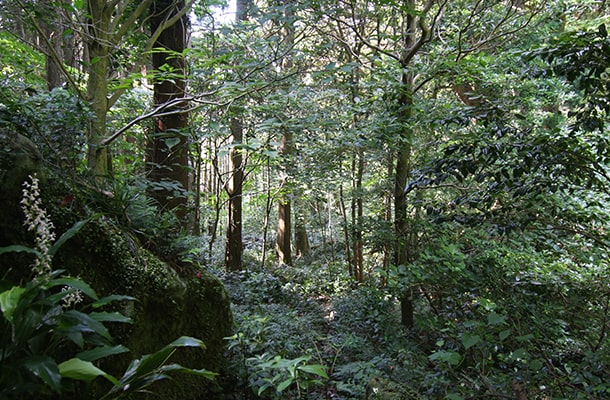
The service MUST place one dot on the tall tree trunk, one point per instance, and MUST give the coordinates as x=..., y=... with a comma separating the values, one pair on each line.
x=346, y=236
x=234, y=246
x=358, y=219
x=168, y=145
x=284, y=231
x=99, y=14
x=268, y=208
x=52, y=26
x=410, y=46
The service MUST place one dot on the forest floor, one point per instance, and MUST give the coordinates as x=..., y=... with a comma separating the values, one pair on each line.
x=307, y=333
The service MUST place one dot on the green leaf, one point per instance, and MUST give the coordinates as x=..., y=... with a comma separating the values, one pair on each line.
x=151, y=362
x=18, y=249
x=315, y=369
x=495, y=319
x=66, y=235
x=519, y=354
x=283, y=385
x=179, y=368
x=110, y=317
x=504, y=334
x=172, y=142
x=46, y=369
x=9, y=301
x=80, y=370
x=74, y=323
x=469, y=340
x=109, y=299
x=450, y=357
x=101, y=352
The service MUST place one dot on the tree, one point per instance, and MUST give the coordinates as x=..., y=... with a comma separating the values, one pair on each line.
x=286, y=149
x=234, y=188
x=168, y=147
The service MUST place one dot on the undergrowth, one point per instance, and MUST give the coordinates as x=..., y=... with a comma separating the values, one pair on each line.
x=508, y=324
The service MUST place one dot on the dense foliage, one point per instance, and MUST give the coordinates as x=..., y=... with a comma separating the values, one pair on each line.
x=414, y=194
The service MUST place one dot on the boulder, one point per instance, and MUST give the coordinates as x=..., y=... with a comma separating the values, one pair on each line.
x=169, y=303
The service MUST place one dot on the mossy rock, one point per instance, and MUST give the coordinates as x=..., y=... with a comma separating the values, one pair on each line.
x=169, y=304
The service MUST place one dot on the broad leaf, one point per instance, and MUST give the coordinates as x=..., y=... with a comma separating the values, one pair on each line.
x=9, y=301
x=80, y=370
x=283, y=385
x=18, y=249
x=46, y=369
x=109, y=299
x=101, y=352
x=76, y=284
x=315, y=370
x=67, y=235
x=110, y=317
x=469, y=340
x=450, y=357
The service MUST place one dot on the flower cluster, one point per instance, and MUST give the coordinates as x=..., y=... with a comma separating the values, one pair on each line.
x=71, y=297
x=37, y=221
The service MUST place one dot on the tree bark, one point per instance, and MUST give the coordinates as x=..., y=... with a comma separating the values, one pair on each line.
x=234, y=246
x=301, y=241
x=98, y=46
x=168, y=147
x=284, y=231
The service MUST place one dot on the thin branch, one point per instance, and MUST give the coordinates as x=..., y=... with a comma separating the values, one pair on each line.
x=128, y=24
x=158, y=111
x=150, y=43
x=52, y=51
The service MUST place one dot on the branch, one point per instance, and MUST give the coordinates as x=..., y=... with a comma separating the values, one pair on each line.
x=51, y=49
x=425, y=35
x=129, y=22
x=150, y=43
x=158, y=111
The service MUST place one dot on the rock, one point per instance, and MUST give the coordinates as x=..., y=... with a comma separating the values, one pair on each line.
x=169, y=304
x=19, y=157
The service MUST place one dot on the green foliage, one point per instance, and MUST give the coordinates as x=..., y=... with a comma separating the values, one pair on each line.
x=280, y=374
x=54, y=329
x=42, y=326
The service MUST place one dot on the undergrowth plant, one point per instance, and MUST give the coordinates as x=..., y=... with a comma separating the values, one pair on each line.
x=54, y=327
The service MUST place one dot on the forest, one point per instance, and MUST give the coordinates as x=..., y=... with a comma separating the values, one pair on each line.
x=304, y=199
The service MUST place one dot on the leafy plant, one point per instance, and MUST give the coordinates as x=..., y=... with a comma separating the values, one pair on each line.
x=54, y=329
x=281, y=373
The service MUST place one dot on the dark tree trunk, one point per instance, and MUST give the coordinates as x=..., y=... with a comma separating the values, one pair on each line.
x=301, y=241
x=168, y=144
x=284, y=230
x=234, y=246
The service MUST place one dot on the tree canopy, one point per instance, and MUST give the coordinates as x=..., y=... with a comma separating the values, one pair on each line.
x=442, y=164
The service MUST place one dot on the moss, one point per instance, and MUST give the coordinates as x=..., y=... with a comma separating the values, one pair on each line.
x=169, y=304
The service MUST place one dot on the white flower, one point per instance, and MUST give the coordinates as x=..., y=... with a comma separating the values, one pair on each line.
x=37, y=221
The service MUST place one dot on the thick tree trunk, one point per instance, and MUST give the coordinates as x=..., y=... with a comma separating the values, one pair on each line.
x=234, y=246
x=284, y=231
x=98, y=47
x=168, y=145
x=403, y=159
